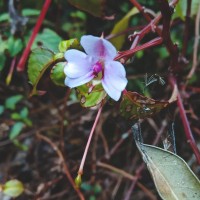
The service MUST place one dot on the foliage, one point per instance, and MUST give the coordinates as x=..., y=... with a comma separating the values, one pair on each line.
x=44, y=126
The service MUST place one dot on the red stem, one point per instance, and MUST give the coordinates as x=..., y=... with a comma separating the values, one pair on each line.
x=130, y=52
x=22, y=61
x=80, y=171
x=188, y=132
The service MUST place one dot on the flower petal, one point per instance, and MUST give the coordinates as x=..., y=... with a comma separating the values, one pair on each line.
x=79, y=63
x=74, y=82
x=98, y=47
x=115, y=75
x=110, y=90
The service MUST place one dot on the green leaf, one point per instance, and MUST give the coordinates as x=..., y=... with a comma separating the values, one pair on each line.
x=14, y=46
x=86, y=187
x=57, y=74
x=3, y=47
x=94, y=7
x=11, y=102
x=121, y=26
x=30, y=12
x=39, y=61
x=90, y=94
x=97, y=189
x=181, y=7
x=136, y=106
x=4, y=17
x=172, y=176
x=68, y=44
x=25, y=12
x=13, y=188
x=1, y=109
x=15, y=116
x=48, y=39
x=2, y=61
x=20, y=145
x=16, y=130
x=24, y=112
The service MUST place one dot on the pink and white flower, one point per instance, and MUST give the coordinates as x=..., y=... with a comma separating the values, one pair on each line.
x=97, y=63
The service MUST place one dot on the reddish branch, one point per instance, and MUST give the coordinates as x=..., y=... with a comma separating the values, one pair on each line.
x=22, y=61
x=166, y=11
x=186, y=125
x=186, y=29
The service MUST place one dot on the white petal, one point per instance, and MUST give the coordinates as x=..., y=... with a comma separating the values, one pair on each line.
x=98, y=47
x=78, y=64
x=74, y=82
x=111, y=91
x=115, y=75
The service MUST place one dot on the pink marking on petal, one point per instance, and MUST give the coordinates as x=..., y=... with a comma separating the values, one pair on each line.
x=98, y=47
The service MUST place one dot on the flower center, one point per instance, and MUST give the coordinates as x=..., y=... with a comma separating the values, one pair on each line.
x=98, y=70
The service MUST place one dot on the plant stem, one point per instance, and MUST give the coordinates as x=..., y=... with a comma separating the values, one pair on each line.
x=65, y=167
x=188, y=132
x=80, y=171
x=22, y=61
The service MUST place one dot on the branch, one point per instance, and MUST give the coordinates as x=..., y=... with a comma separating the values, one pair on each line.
x=66, y=170
x=188, y=132
x=22, y=61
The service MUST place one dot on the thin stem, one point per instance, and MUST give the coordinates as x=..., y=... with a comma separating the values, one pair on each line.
x=66, y=170
x=196, y=44
x=80, y=171
x=22, y=61
x=10, y=74
x=188, y=132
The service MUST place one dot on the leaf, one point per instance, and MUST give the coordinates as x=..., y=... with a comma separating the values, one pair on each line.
x=94, y=7
x=1, y=109
x=121, y=26
x=16, y=130
x=136, y=106
x=68, y=44
x=13, y=188
x=39, y=61
x=90, y=95
x=25, y=12
x=14, y=46
x=48, y=39
x=181, y=7
x=57, y=74
x=30, y=12
x=172, y=176
x=12, y=101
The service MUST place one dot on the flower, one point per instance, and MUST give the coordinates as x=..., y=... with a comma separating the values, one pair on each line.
x=97, y=63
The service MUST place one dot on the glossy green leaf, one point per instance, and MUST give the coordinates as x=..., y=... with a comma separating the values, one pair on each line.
x=16, y=130
x=57, y=74
x=90, y=95
x=13, y=188
x=121, y=26
x=136, y=106
x=47, y=39
x=39, y=61
x=172, y=176
x=12, y=101
x=68, y=44
x=94, y=7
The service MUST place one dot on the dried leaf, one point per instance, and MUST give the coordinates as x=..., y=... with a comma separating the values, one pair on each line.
x=136, y=106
